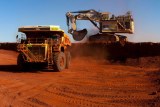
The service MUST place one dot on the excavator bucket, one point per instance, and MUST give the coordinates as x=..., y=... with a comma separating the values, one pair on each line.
x=79, y=35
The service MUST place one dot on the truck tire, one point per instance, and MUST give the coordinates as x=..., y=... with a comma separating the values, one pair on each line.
x=59, y=61
x=68, y=59
x=122, y=42
x=22, y=65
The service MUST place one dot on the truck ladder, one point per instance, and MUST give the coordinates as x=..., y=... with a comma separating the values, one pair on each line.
x=50, y=56
x=28, y=53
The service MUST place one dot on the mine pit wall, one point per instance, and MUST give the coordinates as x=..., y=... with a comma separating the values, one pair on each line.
x=106, y=51
x=9, y=46
x=116, y=51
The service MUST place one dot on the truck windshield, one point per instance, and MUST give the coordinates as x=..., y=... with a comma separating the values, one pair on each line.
x=40, y=37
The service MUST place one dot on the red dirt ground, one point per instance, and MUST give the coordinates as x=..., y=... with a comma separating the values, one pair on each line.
x=88, y=83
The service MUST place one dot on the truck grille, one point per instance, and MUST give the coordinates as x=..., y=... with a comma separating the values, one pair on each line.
x=38, y=52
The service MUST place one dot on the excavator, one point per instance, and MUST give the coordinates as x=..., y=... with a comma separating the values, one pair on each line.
x=109, y=26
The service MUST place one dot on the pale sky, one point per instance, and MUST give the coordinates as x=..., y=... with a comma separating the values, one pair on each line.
x=16, y=13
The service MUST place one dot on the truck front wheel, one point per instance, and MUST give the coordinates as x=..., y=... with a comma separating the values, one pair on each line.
x=59, y=61
x=22, y=65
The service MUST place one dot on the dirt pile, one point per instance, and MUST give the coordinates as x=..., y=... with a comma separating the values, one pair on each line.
x=140, y=53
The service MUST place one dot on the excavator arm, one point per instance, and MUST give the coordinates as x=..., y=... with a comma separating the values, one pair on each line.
x=91, y=15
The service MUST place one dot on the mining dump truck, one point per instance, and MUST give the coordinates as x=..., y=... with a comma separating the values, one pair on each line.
x=43, y=45
x=110, y=27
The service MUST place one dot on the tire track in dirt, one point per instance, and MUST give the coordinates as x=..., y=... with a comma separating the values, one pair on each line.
x=8, y=91
x=66, y=99
x=71, y=96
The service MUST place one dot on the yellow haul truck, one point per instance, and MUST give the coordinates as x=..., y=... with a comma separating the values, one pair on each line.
x=44, y=45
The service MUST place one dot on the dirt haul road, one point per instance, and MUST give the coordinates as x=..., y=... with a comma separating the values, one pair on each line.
x=88, y=83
